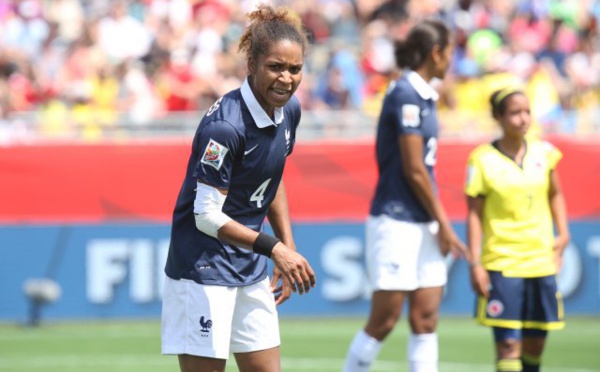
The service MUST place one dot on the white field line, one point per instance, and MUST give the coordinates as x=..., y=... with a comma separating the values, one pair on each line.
x=335, y=365
x=140, y=361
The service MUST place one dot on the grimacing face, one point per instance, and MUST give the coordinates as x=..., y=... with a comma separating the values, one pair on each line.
x=276, y=75
x=516, y=119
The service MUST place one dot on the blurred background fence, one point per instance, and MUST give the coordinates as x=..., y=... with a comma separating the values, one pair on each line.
x=316, y=125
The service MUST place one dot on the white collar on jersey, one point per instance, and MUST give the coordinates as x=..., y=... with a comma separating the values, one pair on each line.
x=422, y=87
x=258, y=114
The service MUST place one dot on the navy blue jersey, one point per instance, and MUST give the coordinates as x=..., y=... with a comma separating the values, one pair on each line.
x=236, y=147
x=409, y=107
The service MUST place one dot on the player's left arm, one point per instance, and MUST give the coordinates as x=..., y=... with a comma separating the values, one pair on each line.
x=411, y=149
x=558, y=209
x=279, y=218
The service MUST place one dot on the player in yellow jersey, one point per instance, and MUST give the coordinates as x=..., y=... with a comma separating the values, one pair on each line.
x=514, y=204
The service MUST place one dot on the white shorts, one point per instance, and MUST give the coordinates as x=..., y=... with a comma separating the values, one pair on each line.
x=403, y=255
x=214, y=321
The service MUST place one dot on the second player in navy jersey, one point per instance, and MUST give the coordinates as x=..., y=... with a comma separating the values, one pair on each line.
x=218, y=298
x=407, y=232
x=409, y=109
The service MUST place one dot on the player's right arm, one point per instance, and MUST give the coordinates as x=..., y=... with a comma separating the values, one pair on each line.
x=475, y=190
x=211, y=220
x=480, y=279
x=290, y=266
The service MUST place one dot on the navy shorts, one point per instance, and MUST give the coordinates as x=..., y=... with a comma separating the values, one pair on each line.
x=521, y=303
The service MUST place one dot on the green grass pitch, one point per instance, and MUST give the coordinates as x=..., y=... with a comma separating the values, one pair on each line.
x=308, y=344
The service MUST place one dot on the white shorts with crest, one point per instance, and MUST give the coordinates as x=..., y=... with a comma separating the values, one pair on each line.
x=403, y=256
x=213, y=321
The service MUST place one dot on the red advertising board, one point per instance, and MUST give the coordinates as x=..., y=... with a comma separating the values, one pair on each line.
x=325, y=181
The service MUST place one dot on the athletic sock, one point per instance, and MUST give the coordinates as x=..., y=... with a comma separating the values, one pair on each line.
x=531, y=363
x=423, y=352
x=509, y=365
x=362, y=352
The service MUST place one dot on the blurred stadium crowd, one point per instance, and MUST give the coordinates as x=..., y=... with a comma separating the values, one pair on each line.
x=92, y=64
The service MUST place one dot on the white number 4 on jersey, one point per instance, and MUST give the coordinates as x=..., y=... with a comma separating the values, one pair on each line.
x=259, y=195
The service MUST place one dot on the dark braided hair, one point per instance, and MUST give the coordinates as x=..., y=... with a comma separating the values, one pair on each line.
x=268, y=26
x=413, y=51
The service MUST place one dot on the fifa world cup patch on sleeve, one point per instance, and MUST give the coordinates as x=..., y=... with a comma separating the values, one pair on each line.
x=411, y=116
x=214, y=154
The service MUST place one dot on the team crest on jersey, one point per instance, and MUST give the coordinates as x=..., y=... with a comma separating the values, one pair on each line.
x=214, y=154
x=205, y=324
x=411, y=116
x=495, y=308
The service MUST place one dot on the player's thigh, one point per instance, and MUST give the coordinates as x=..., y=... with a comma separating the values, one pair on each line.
x=255, y=324
x=391, y=253
x=424, y=305
x=425, y=302
x=192, y=363
x=196, y=319
x=259, y=361
x=386, y=309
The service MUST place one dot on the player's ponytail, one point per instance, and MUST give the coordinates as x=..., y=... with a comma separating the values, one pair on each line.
x=413, y=51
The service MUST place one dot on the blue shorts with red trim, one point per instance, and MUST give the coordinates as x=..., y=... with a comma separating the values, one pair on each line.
x=521, y=303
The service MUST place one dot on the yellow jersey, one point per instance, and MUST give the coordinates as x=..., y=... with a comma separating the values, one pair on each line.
x=518, y=233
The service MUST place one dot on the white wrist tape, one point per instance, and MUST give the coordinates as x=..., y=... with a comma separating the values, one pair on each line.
x=208, y=212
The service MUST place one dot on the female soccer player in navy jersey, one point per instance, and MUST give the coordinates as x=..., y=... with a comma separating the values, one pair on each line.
x=514, y=196
x=217, y=297
x=407, y=232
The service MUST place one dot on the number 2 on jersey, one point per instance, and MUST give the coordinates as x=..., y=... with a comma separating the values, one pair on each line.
x=431, y=152
x=259, y=195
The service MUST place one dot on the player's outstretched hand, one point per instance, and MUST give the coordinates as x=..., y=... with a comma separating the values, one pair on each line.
x=293, y=270
x=449, y=242
x=560, y=244
x=283, y=290
x=480, y=280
